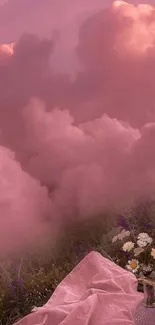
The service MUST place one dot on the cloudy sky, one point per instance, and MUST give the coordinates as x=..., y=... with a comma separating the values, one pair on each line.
x=70, y=148
x=57, y=19
x=60, y=18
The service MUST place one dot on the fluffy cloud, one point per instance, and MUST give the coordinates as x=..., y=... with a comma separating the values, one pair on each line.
x=89, y=142
x=116, y=47
x=6, y=51
x=90, y=166
x=137, y=36
x=24, y=204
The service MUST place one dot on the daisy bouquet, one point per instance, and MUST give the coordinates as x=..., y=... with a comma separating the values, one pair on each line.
x=135, y=252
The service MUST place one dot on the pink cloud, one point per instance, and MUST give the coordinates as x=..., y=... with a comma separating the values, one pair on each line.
x=114, y=65
x=6, y=50
x=83, y=145
x=23, y=203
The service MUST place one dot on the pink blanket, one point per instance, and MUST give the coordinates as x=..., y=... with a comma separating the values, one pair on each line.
x=96, y=292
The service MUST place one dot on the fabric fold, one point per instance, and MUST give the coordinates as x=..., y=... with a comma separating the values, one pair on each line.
x=96, y=292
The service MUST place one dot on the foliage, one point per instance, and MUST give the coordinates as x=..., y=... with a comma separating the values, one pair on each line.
x=28, y=280
x=137, y=254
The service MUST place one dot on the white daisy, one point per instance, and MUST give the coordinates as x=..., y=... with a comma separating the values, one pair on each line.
x=133, y=265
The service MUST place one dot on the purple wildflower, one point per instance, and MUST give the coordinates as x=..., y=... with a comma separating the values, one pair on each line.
x=122, y=222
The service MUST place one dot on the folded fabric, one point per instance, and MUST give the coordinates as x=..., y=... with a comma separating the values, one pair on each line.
x=96, y=292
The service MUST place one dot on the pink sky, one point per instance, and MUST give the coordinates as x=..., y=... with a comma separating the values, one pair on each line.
x=18, y=16
x=71, y=148
x=43, y=17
